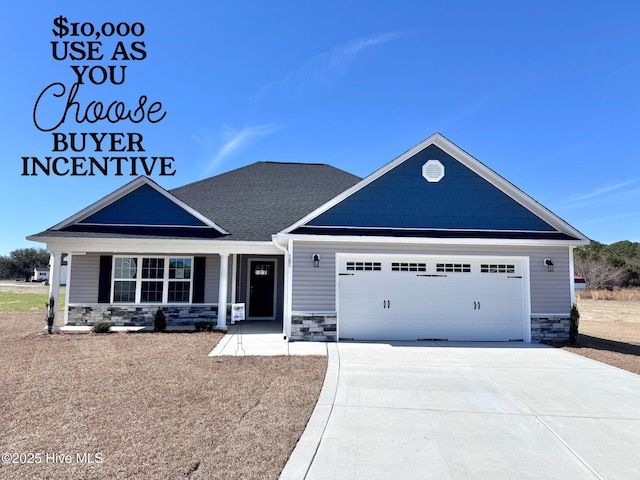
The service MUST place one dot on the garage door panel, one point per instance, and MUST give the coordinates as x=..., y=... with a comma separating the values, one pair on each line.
x=432, y=298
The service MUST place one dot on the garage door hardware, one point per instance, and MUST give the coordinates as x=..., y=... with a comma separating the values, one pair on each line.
x=476, y=305
x=347, y=274
x=514, y=276
x=386, y=304
x=430, y=275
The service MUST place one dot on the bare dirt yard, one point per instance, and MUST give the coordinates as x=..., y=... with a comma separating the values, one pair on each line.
x=610, y=332
x=145, y=405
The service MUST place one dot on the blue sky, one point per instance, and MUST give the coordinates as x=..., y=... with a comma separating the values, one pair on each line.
x=543, y=92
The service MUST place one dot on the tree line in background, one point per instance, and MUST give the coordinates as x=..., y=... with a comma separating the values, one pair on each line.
x=602, y=266
x=607, y=266
x=20, y=263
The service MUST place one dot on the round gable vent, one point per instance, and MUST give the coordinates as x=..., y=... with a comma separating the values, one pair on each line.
x=433, y=171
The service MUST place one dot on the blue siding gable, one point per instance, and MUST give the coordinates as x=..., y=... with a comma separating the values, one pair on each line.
x=403, y=199
x=144, y=206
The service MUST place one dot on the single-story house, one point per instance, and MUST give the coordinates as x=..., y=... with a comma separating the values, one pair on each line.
x=40, y=274
x=433, y=245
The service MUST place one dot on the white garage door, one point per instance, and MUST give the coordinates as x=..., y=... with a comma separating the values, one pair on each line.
x=445, y=298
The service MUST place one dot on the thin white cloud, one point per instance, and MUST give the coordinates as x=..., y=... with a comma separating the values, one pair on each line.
x=236, y=140
x=597, y=192
x=327, y=67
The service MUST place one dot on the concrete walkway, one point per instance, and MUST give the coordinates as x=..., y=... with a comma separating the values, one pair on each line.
x=262, y=338
x=410, y=410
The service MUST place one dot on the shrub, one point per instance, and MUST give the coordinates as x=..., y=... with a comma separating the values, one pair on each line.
x=204, y=326
x=160, y=321
x=574, y=322
x=101, y=327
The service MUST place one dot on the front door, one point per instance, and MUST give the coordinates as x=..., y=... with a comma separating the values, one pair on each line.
x=262, y=289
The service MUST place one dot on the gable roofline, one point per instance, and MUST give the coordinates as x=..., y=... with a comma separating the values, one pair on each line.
x=467, y=160
x=125, y=190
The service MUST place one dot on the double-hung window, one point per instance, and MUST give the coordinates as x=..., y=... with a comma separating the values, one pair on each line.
x=125, y=277
x=179, y=280
x=152, y=286
x=152, y=279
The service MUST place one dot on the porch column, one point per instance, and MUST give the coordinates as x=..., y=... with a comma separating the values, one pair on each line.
x=222, y=292
x=55, y=265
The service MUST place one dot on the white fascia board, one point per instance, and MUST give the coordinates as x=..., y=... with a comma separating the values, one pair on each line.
x=158, y=246
x=469, y=161
x=427, y=241
x=128, y=188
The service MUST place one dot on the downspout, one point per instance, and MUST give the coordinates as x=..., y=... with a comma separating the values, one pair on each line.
x=286, y=314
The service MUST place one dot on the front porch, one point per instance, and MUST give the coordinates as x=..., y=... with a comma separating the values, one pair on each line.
x=126, y=289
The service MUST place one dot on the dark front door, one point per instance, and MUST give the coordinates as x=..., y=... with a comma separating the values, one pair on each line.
x=261, y=288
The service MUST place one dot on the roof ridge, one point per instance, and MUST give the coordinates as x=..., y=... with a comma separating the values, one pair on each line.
x=296, y=163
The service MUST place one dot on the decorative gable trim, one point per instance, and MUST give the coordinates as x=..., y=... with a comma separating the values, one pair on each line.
x=125, y=190
x=465, y=159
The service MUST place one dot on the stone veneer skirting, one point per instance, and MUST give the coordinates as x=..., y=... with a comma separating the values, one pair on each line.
x=311, y=326
x=550, y=328
x=314, y=327
x=141, y=315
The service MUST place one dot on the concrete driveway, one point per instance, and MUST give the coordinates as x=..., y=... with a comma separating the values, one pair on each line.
x=411, y=410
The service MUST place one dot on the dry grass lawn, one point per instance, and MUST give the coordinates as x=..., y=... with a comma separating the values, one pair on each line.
x=149, y=405
x=610, y=331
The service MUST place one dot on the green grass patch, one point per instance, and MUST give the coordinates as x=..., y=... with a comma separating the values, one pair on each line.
x=27, y=299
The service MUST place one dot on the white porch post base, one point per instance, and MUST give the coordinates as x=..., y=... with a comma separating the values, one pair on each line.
x=222, y=292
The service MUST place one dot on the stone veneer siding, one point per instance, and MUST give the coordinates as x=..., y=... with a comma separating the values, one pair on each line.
x=141, y=315
x=314, y=327
x=550, y=328
x=307, y=326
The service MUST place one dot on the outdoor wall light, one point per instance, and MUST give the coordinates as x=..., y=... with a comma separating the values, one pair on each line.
x=549, y=264
x=316, y=260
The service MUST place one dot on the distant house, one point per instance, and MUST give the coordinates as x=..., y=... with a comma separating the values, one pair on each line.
x=579, y=283
x=433, y=245
x=40, y=274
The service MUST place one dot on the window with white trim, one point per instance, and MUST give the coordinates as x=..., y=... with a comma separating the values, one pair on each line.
x=125, y=275
x=152, y=280
x=179, y=280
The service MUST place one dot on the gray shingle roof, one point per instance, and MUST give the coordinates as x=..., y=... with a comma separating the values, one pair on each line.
x=256, y=201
